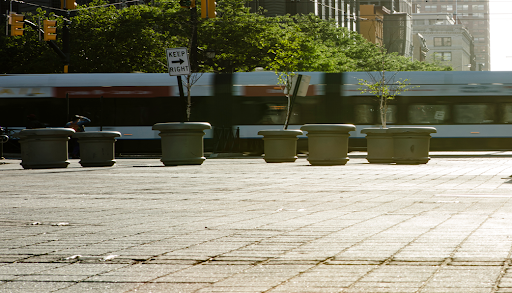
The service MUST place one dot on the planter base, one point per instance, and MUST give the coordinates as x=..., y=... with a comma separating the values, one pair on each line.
x=182, y=143
x=280, y=146
x=45, y=148
x=54, y=164
x=280, y=160
x=97, y=148
x=408, y=161
x=328, y=143
x=179, y=162
x=379, y=145
x=328, y=162
x=411, y=144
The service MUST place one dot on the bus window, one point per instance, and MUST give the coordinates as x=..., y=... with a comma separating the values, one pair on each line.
x=428, y=114
x=506, y=113
x=365, y=114
x=391, y=114
x=474, y=114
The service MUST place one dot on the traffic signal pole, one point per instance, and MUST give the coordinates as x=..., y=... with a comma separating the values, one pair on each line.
x=65, y=43
x=52, y=44
x=193, y=39
x=64, y=53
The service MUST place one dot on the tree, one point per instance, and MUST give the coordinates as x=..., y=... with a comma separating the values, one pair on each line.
x=26, y=53
x=106, y=39
x=384, y=90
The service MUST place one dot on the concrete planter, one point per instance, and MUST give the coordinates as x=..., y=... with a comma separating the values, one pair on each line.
x=182, y=143
x=280, y=146
x=45, y=147
x=97, y=148
x=328, y=143
x=379, y=145
x=411, y=144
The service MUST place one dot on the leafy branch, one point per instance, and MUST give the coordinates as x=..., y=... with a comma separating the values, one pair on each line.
x=384, y=90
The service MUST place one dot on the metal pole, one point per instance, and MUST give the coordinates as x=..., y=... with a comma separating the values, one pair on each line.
x=6, y=24
x=67, y=107
x=101, y=113
x=193, y=40
x=65, y=42
x=182, y=94
x=292, y=100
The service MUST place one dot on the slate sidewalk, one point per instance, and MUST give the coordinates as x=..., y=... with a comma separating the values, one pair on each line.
x=242, y=225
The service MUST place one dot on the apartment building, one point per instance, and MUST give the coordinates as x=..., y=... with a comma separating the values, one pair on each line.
x=397, y=23
x=448, y=43
x=474, y=15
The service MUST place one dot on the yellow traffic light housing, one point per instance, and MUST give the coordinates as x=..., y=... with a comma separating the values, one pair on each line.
x=50, y=30
x=208, y=9
x=16, y=24
x=67, y=4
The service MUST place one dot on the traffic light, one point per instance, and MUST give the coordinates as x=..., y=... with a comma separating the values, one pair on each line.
x=208, y=9
x=67, y=4
x=16, y=24
x=188, y=3
x=50, y=30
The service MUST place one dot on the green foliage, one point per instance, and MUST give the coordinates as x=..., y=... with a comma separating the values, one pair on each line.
x=384, y=89
x=26, y=53
x=106, y=39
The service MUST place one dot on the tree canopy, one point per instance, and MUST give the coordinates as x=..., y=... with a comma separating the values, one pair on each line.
x=106, y=39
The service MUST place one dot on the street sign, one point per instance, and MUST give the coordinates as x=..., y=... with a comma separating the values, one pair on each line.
x=177, y=61
x=302, y=89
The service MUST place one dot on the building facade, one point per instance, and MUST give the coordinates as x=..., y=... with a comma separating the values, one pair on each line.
x=344, y=12
x=372, y=23
x=420, y=47
x=397, y=25
x=474, y=15
x=448, y=43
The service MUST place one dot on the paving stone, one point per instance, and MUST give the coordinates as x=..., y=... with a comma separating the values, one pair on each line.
x=242, y=225
x=169, y=287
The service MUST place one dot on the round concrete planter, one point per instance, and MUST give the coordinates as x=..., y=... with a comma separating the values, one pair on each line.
x=411, y=144
x=182, y=143
x=45, y=147
x=280, y=146
x=328, y=143
x=97, y=148
x=379, y=145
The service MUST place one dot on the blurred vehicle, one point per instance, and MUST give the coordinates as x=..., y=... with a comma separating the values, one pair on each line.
x=471, y=110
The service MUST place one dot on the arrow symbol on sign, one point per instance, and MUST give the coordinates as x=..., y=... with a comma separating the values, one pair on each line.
x=178, y=61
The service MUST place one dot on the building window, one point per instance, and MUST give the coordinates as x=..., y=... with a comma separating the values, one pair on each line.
x=477, y=7
x=462, y=7
x=443, y=56
x=430, y=8
x=436, y=22
x=447, y=8
x=443, y=42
